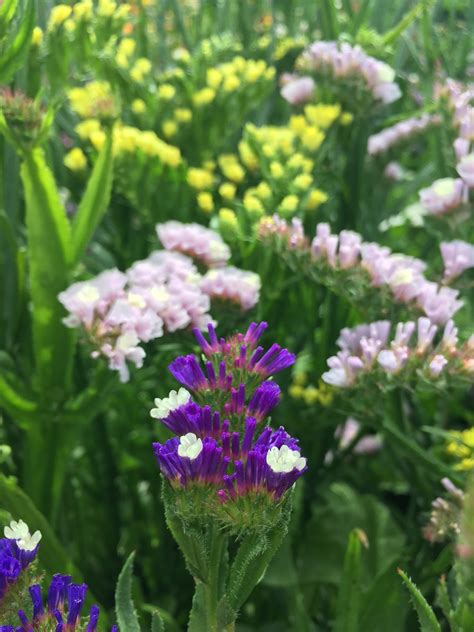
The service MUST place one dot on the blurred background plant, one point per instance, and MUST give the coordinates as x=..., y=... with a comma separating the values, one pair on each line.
x=119, y=116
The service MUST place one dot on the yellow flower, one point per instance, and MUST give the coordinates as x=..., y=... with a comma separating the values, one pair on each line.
x=315, y=199
x=205, y=202
x=83, y=10
x=106, y=8
x=213, y=78
x=307, y=165
x=288, y=205
x=85, y=128
x=300, y=378
x=254, y=70
x=253, y=206
x=312, y=138
x=233, y=171
x=296, y=391
x=322, y=115
x=303, y=181
x=59, y=14
x=346, y=118
x=209, y=165
x=127, y=46
x=199, y=178
x=203, y=97
x=231, y=83
x=228, y=220
x=69, y=25
x=298, y=124
x=138, y=106
x=75, y=160
x=37, y=36
x=169, y=128
x=97, y=139
x=166, y=92
x=276, y=170
x=296, y=161
x=227, y=190
x=310, y=395
x=181, y=54
x=247, y=156
x=183, y=115
x=263, y=190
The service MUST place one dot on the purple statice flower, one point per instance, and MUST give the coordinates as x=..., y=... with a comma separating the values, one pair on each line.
x=465, y=168
x=298, y=90
x=194, y=240
x=457, y=256
x=274, y=360
x=344, y=61
x=443, y=196
x=187, y=370
x=324, y=244
x=191, y=459
x=354, y=339
x=264, y=399
x=18, y=549
x=384, y=140
x=62, y=608
x=439, y=303
x=231, y=284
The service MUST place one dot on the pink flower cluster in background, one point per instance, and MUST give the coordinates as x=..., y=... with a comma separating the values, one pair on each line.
x=194, y=240
x=161, y=294
x=401, y=274
x=368, y=348
x=384, y=140
x=342, y=61
x=458, y=256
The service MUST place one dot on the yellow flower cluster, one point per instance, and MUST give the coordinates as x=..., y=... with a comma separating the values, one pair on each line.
x=310, y=394
x=231, y=168
x=199, y=179
x=59, y=14
x=461, y=447
x=140, y=69
x=94, y=100
x=129, y=140
x=125, y=50
x=75, y=159
x=63, y=15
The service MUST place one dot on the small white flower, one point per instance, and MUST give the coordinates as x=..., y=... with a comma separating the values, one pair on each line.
x=336, y=377
x=190, y=446
x=388, y=361
x=284, y=460
x=168, y=404
x=88, y=294
x=127, y=341
x=19, y=532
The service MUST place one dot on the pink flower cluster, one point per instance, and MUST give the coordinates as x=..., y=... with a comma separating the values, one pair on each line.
x=232, y=284
x=347, y=434
x=457, y=256
x=346, y=61
x=402, y=274
x=194, y=240
x=384, y=140
x=296, y=89
x=366, y=348
x=119, y=310
x=448, y=194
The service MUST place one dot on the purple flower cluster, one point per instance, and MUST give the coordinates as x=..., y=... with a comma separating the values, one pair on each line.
x=343, y=61
x=384, y=140
x=222, y=449
x=401, y=274
x=18, y=549
x=366, y=348
x=64, y=604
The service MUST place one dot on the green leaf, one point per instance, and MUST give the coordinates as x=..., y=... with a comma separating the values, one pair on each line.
x=7, y=11
x=157, y=623
x=126, y=616
x=48, y=234
x=13, y=57
x=94, y=202
x=15, y=403
x=348, y=601
x=426, y=616
x=393, y=34
x=52, y=555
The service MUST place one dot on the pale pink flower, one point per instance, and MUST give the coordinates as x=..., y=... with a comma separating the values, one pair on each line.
x=238, y=286
x=437, y=365
x=194, y=240
x=443, y=196
x=465, y=168
x=457, y=256
x=299, y=90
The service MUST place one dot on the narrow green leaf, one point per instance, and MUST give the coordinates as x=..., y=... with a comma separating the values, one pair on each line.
x=48, y=234
x=349, y=598
x=12, y=401
x=157, y=624
x=52, y=555
x=426, y=616
x=95, y=201
x=393, y=34
x=127, y=618
x=16, y=52
x=7, y=11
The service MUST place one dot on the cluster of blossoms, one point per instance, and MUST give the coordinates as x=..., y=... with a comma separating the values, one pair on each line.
x=228, y=451
x=458, y=256
x=164, y=292
x=18, y=550
x=449, y=194
x=445, y=517
x=348, y=434
x=346, y=62
x=62, y=612
x=367, y=349
x=390, y=136
x=346, y=252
